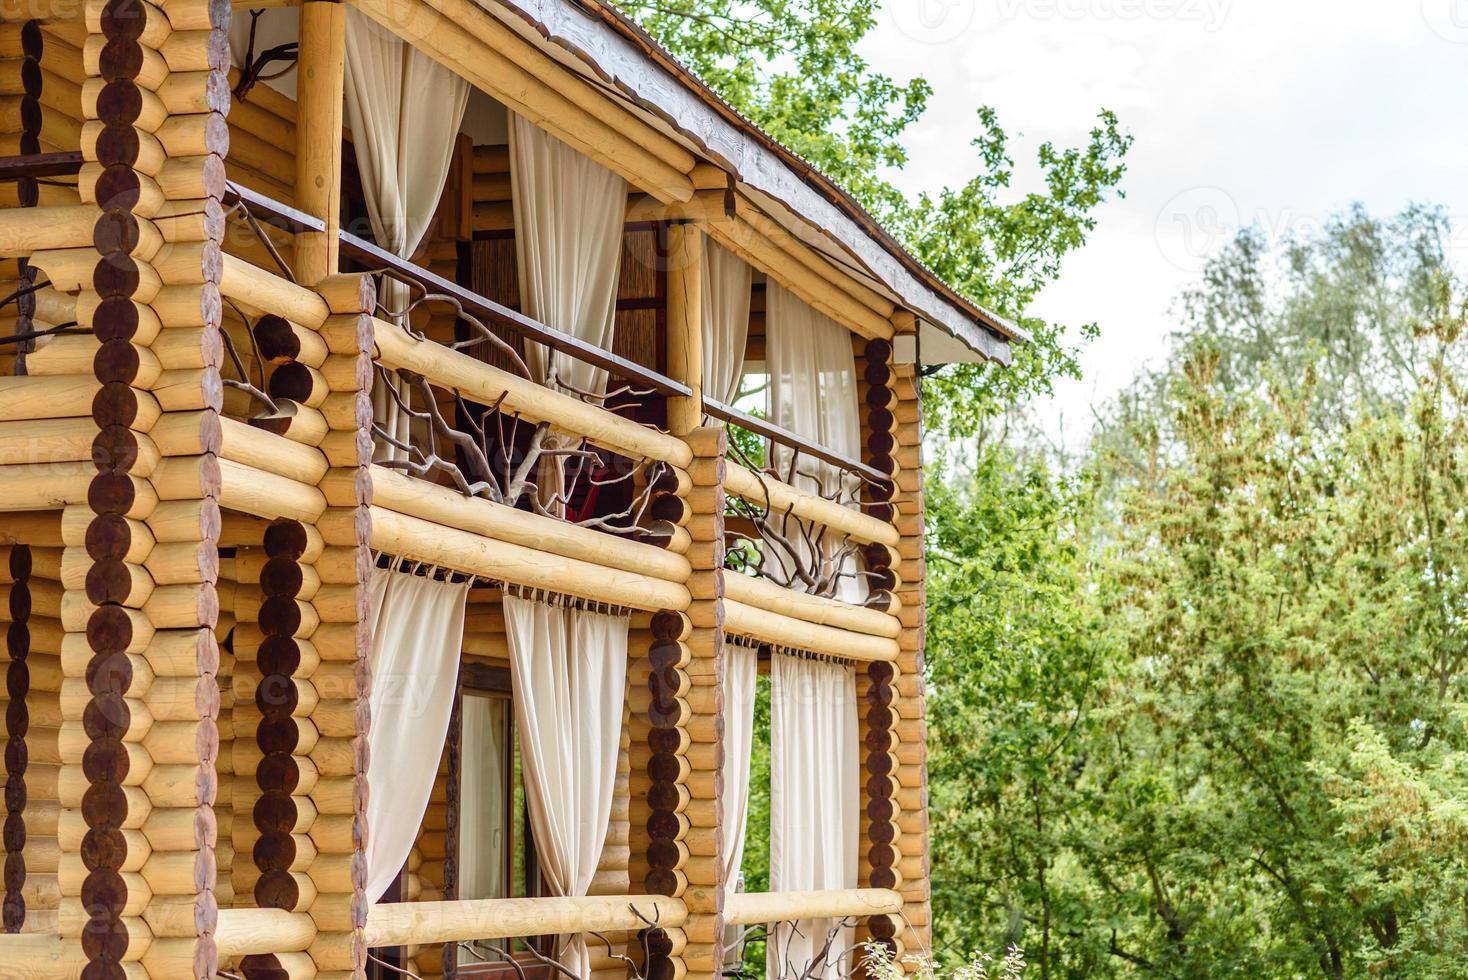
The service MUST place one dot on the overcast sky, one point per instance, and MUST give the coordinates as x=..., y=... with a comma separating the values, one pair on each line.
x=1280, y=112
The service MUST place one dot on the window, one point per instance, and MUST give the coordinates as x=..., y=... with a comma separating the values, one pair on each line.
x=493, y=852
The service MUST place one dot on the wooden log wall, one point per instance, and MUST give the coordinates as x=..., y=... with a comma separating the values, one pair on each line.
x=424, y=878
x=262, y=141
x=139, y=696
x=877, y=702
x=224, y=765
x=343, y=679
x=40, y=111
x=612, y=876
x=30, y=576
x=909, y=737
x=243, y=754
x=17, y=724
x=661, y=783
x=276, y=621
x=708, y=837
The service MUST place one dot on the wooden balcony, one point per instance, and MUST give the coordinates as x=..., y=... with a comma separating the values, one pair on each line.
x=266, y=420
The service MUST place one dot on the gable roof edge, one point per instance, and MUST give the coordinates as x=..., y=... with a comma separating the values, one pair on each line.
x=618, y=51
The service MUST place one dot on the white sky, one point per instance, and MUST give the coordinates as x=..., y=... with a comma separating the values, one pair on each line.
x=1276, y=111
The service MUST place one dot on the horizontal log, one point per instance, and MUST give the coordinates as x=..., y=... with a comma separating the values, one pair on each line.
x=46, y=398
x=44, y=486
x=508, y=918
x=442, y=505
x=27, y=230
x=488, y=385
x=758, y=908
x=465, y=551
x=764, y=490
x=263, y=290
x=242, y=932
x=36, y=956
x=190, y=433
x=770, y=627
x=267, y=495
x=757, y=248
x=57, y=440
x=764, y=594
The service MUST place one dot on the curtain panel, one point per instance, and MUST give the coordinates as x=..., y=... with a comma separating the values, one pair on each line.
x=568, y=675
x=726, y=284
x=813, y=393
x=417, y=630
x=404, y=111
x=815, y=806
x=484, y=734
x=569, y=211
x=741, y=675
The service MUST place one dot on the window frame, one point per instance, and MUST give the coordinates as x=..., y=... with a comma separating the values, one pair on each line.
x=481, y=680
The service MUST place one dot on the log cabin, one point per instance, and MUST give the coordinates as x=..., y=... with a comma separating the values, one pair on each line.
x=426, y=426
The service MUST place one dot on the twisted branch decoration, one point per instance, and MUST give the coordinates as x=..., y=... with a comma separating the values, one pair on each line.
x=478, y=456
x=791, y=552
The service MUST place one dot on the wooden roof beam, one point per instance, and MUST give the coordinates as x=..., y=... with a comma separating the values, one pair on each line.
x=485, y=53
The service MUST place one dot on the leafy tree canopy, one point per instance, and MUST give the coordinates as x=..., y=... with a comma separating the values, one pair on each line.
x=795, y=67
x=1215, y=724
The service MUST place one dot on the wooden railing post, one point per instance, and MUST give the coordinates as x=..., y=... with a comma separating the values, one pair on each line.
x=341, y=718
x=320, y=74
x=707, y=836
x=685, y=323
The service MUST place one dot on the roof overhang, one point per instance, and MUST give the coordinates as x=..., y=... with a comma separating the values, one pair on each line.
x=608, y=49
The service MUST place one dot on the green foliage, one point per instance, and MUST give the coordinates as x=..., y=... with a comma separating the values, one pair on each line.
x=1216, y=723
x=1002, y=253
x=792, y=66
x=879, y=965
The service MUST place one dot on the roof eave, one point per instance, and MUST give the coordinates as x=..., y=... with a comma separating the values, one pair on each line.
x=612, y=47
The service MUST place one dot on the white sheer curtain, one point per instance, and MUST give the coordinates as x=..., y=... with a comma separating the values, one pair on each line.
x=726, y=284
x=815, y=803
x=568, y=671
x=569, y=212
x=417, y=630
x=741, y=675
x=813, y=393
x=404, y=110
x=483, y=800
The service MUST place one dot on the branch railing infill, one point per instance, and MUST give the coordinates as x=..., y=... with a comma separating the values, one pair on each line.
x=793, y=552
x=495, y=454
x=490, y=450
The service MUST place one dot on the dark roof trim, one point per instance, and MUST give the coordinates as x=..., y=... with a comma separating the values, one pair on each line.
x=619, y=52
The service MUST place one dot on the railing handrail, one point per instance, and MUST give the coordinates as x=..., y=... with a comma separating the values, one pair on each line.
x=296, y=221
x=290, y=219
x=790, y=440
x=760, y=908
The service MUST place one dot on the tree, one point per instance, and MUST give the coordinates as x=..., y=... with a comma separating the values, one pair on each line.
x=1254, y=660
x=1015, y=673
x=795, y=68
